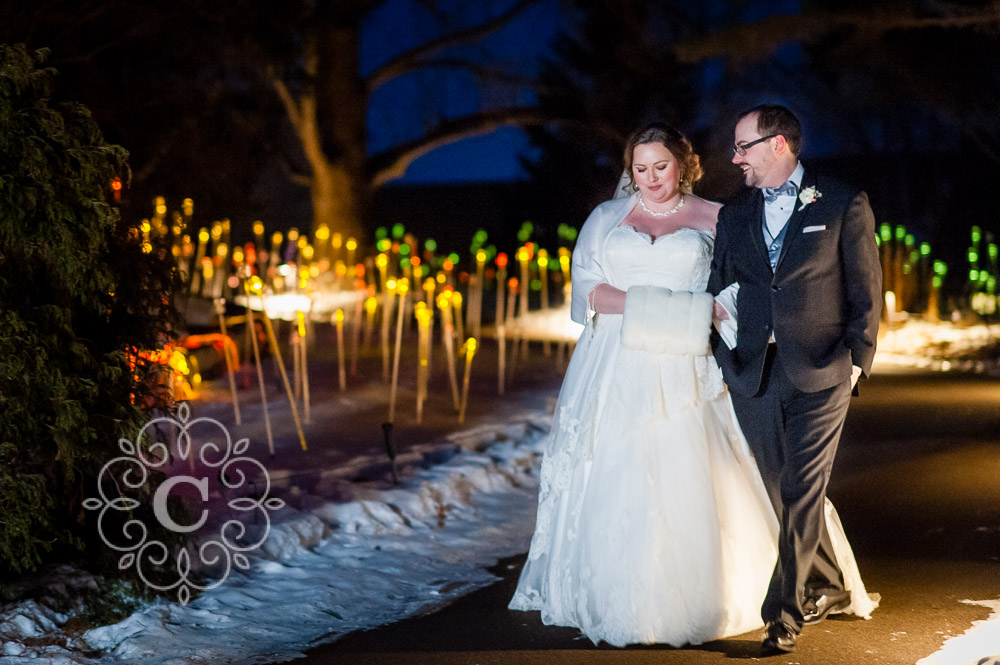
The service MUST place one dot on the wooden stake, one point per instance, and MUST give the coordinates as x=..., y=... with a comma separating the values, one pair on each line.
x=220, y=309
x=276, y=352
x=469, y=348
x=255, y=285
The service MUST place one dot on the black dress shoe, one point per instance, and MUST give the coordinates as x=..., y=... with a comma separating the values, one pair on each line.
x=779, y=639
x=817, y=608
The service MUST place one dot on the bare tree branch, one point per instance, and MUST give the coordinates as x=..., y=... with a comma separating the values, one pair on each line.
x=393, y=163
x=481, y=72
x=414, y=58
x=757, y=40
x=287, y=100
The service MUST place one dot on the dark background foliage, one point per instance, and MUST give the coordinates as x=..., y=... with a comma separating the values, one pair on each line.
x=78, y=298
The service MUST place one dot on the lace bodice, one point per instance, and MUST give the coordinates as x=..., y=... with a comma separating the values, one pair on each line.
x=679, y=261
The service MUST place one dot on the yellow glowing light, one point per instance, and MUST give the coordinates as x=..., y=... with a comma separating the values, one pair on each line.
x=147, y=248
x=144, y=226
x=323, y=232
x=441, y=278
x=456, y=299
x=276, y=238
x=256, y=284
x=340, y=268
x=203, y=236
x=338, y=315
x=403, y=285
x=307, y=252
x=338, y=240
x=188, y=206
x=302, y=242
x=352, y=244
x=258, y=228
x=293, y=234
x=481, y=256
x=238, y=255
x=314, y=270
x=371, y=304
x=391, y=285
x=381, y=260
x=216, y=231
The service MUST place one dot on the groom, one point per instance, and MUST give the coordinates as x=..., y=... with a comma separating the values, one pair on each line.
x=798, y=251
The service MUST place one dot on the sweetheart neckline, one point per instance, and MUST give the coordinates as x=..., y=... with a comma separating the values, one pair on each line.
x=653, y=241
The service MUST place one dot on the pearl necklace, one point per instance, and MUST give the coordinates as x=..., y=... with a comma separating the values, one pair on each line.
x=680, y=204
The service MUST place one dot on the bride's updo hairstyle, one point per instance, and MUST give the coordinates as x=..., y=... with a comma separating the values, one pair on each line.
x=675, y=142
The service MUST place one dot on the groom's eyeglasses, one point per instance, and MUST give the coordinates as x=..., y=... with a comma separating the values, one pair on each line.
x=741, y=148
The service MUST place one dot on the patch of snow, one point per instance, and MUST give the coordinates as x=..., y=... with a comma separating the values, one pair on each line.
x=331, y=567
x=980, y=644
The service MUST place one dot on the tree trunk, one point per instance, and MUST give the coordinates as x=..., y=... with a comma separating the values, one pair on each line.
x=341, y=114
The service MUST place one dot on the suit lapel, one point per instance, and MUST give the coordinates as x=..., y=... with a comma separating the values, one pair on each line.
x=756, y=223
x=799, y=213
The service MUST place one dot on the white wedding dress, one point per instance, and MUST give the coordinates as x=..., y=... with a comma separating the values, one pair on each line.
x=653, y=524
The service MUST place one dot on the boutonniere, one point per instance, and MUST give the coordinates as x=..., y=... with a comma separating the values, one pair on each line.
x=808, y=195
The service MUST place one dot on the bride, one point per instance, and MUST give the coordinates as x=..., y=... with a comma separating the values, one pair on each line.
x=653, y=524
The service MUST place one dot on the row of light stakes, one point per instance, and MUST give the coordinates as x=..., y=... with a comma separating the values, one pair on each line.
x=395, y=283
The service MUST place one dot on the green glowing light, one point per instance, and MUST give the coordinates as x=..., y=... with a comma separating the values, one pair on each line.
x=973, y=275
x=404, y=249
x=936, y=281
x=453, y=257
x=925, y=249
x=398, y=230
x=383, y=245
x=525, y=232
x=910, y=240
x=900, y=232
x=885, y=231
x=430, y=245
x=977, y=233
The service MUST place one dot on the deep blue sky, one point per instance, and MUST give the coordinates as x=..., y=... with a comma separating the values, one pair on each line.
x=402, y=107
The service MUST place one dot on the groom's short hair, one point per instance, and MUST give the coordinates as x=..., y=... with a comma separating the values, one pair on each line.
x=777, y=119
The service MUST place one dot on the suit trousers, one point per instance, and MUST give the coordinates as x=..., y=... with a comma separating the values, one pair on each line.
x=794, y=436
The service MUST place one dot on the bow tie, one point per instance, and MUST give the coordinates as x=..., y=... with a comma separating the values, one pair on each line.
x=771, y=194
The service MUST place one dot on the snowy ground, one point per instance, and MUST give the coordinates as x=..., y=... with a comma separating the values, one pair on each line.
x=350, y=554
x=329, y=567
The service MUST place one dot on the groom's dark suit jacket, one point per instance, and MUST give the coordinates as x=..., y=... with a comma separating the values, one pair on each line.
x=823, y=301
